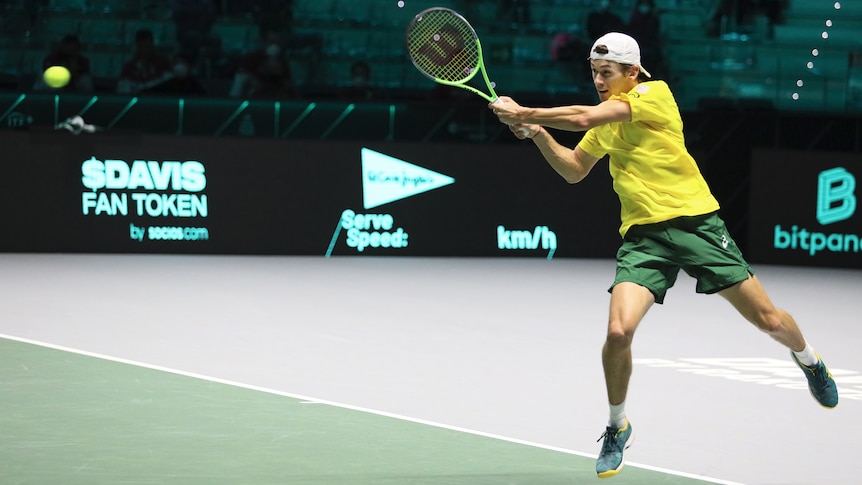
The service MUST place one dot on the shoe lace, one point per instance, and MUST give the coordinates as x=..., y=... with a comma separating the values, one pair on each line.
x=821, y=378
x=610, y=437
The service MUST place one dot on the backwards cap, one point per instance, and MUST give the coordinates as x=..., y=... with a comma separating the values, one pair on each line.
x=620, y=48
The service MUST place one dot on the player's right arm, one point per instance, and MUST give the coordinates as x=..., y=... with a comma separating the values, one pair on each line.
x=569, y=118
x=572, y=165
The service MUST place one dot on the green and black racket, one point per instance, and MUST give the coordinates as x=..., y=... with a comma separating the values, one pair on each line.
x=445, y=47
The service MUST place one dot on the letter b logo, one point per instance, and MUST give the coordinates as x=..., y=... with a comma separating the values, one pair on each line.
x=835, y=198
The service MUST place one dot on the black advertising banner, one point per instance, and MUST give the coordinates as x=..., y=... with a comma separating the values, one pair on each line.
x=803, y=208
x=133, y=193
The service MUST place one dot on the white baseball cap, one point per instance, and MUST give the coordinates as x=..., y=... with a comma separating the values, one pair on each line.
x=621, y=48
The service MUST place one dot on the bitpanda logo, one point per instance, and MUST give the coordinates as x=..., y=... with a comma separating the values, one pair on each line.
x=836, y=202
x=385, y=179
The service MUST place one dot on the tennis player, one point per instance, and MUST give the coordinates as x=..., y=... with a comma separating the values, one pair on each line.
x=669, y=219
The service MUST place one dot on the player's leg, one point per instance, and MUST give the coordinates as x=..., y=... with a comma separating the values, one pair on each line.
x=719, y=267
x=629, y=304
x=645, y=271
x=750, y=299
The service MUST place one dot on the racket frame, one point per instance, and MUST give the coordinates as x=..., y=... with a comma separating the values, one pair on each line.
x=480, y=65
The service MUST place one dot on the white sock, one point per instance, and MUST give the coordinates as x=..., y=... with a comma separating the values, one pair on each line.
x=618, y=415
x=807, y=355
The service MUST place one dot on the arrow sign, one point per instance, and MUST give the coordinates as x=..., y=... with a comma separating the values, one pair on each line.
x=386, y=179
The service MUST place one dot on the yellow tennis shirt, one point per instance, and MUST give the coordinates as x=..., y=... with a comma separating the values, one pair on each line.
x=654, y=176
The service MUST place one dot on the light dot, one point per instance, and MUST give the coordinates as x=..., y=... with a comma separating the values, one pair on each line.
x=436, y=37
x=799, y=83
x=815, y=52
x=837, y=5
x=825, y=35
x=400, y=3
x=828, y=23
x=810, y=65
x=795, y=96
x=493, y=85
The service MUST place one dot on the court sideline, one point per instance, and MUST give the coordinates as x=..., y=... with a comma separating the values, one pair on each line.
x=508, y=347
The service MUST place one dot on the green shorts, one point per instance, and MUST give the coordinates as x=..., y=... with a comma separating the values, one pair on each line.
x=652, y=255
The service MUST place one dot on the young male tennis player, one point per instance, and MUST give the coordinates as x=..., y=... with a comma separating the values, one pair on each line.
x=669, y=219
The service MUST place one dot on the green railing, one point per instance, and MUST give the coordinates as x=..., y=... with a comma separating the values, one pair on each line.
x=464, y=120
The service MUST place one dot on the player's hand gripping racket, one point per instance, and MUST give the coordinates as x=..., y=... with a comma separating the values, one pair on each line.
x=445, y=47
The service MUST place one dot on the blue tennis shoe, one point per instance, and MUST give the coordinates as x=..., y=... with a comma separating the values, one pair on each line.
x=617, y=440
x=820, y=382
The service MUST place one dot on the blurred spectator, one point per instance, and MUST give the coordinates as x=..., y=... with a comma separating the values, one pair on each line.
x=264, y=72
x=360, y=83
x=774, y=10
x=725, y=16
x=278, y=15
x=214, y=62
x=19, y=18
x=645, y=27
x=568, y=46
x=68, y=54
x=740, y=16
x=568, y=51
x=515, y=12
x=194, y=20
x=644, y=23
x=272, y=15
x=601, y=20
x=181, y=80
x=147, y=68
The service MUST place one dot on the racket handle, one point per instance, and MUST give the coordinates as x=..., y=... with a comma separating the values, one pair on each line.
x=520, y=130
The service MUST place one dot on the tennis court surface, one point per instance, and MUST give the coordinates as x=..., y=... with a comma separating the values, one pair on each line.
x=209, y=370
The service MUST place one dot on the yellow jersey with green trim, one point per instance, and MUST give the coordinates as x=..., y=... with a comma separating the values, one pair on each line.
x=654, y=176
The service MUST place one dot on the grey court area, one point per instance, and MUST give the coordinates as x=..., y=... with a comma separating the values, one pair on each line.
x=152, y=369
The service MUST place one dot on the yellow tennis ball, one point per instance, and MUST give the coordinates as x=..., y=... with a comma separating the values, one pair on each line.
x=56, y=76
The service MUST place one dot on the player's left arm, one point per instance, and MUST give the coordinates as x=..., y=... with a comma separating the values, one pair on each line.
x=568, y=118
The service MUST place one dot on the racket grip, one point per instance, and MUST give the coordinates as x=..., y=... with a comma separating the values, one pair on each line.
x=520, y=130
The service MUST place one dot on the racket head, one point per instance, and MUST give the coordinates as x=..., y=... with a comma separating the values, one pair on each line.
x=444, y=46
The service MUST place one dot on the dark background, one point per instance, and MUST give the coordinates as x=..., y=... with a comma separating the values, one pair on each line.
x=276, y=193
x=287, y=197
x=784, y=192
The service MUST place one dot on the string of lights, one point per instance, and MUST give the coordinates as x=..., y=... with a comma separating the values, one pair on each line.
x=815, y=53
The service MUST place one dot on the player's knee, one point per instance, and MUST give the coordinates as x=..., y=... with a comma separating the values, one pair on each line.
x=769, y=320
x=619, y=335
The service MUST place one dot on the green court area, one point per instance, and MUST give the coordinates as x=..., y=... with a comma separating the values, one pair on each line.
x=74, y=419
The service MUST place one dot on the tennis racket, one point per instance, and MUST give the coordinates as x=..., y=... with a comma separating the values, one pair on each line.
x=445, y=47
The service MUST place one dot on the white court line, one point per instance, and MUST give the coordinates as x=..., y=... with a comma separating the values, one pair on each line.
x=311, y=400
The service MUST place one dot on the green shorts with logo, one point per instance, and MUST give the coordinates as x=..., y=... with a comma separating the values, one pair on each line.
x=652, y=255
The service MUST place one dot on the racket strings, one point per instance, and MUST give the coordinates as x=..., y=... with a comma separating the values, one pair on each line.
x=444, y=46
